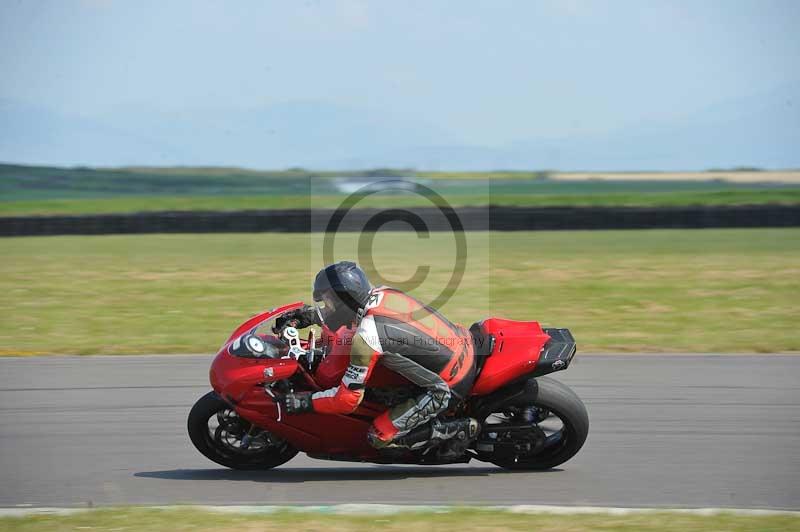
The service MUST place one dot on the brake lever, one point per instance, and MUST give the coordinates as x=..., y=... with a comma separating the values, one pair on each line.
x=312, y=342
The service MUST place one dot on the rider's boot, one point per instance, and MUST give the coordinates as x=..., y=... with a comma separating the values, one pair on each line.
x=460, y=434
x=461, y=429
x=416, y=439
x=436, y=432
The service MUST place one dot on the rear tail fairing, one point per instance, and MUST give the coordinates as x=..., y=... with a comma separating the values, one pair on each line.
x=511, y=350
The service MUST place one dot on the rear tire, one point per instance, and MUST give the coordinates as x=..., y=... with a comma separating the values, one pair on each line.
x=276, y=453
x=563, y=403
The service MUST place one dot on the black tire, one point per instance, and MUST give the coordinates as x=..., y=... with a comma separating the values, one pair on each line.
x=563, y=403
x=210, y=405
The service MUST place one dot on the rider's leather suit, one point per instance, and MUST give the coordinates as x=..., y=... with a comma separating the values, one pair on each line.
x=414, y=341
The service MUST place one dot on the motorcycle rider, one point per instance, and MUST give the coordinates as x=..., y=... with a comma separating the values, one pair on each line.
x=407, y=337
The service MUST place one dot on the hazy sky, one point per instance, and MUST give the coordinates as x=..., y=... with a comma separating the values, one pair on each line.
x=487, y=73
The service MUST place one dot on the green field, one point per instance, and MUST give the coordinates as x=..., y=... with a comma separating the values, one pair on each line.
x=458, y=520
x=44, y=190
x=237, y=203
x=666, y=290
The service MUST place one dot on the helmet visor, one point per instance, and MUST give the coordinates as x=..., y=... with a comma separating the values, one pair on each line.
x=332, y=310
x=325, y=303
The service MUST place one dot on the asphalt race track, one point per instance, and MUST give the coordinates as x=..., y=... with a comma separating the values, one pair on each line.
x=671, y=431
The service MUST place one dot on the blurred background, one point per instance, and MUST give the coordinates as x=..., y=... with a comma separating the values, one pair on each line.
x=159, y=160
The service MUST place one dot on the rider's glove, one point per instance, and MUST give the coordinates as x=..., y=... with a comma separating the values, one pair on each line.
x=299, y=319
x=295, y=403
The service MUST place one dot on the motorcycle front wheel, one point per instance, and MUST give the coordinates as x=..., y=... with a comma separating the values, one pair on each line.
x=218, y=432
x=556, y=422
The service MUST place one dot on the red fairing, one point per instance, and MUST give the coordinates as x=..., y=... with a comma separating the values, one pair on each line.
x=516, y=351
x=232, y=377
x=239, y=381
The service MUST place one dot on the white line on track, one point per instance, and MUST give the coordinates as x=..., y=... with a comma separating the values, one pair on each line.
x=388, y=509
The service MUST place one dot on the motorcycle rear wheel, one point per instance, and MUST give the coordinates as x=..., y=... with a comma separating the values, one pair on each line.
x=558, y=401
x=223, y=444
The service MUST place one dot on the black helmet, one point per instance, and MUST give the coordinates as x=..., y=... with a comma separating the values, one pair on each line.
x=344, y=288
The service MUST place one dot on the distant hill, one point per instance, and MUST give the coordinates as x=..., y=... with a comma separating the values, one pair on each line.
x=761, y=131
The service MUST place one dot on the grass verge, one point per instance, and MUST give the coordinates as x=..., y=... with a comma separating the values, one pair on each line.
x=668, y=290
x=131, y=204
x=143, y=520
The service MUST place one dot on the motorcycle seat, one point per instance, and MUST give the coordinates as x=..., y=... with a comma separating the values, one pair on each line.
x=483, y=342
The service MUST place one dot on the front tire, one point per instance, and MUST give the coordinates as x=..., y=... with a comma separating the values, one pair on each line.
x=558, y=401
x=223, y=443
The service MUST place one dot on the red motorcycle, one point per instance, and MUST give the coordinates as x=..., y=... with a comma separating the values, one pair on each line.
x=526, y=421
